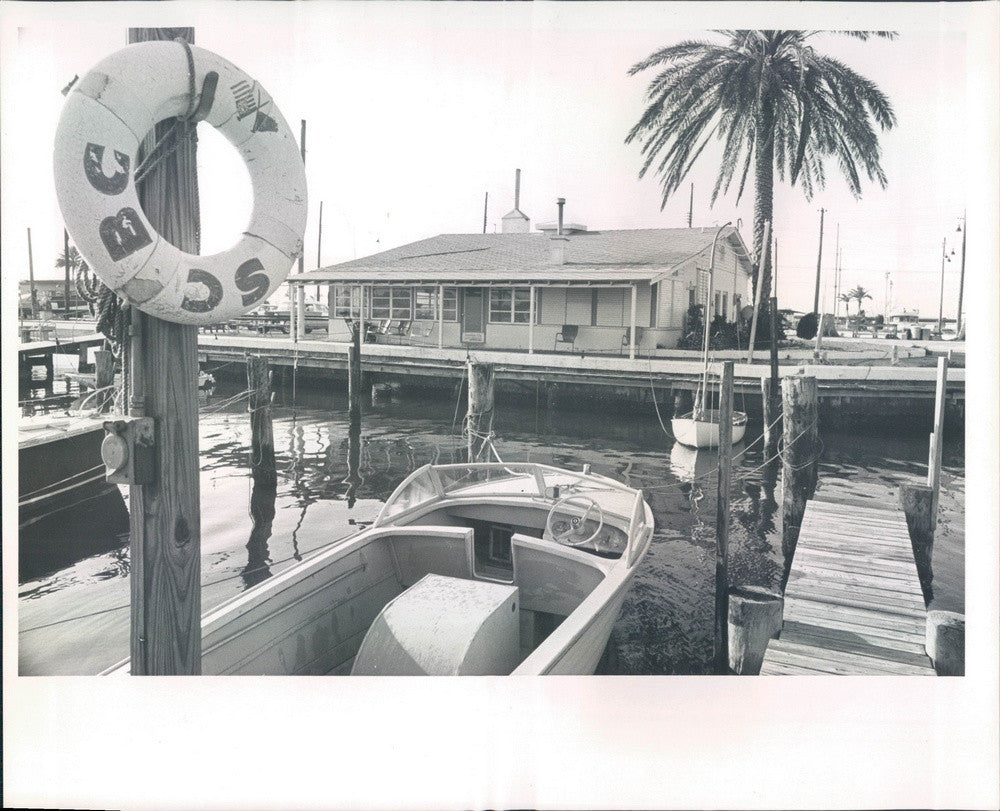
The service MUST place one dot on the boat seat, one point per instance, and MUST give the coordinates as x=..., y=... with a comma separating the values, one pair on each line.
x=444, y=626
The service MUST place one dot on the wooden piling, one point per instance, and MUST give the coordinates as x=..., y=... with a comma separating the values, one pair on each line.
x=262, y=467
x=354, y=387
x=479, y=416
x=166, y=515
x=772, y=410
x=800, y=435
x=722, y=520
x=937, y=438
x=104, y=377
x=945, y=642
x=262, y=511
x=917, y=501
x=754, y=619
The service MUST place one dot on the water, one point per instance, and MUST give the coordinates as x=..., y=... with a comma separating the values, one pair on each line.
x=75, y=620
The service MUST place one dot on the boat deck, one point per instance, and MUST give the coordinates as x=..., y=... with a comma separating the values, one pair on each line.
x=853, y=604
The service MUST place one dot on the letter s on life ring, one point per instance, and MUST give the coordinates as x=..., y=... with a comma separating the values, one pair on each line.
x=105, y=118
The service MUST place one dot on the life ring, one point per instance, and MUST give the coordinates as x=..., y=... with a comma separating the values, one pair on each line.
x=106, y=117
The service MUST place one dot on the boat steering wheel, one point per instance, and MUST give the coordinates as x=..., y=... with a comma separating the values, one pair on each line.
x=571, y=527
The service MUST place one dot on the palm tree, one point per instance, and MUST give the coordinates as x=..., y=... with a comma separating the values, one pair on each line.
x=776, y=103
x=76, y=262
x=847, y=298
x=859, y=294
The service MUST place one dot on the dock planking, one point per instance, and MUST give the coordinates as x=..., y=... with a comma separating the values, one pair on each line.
x=853, y=604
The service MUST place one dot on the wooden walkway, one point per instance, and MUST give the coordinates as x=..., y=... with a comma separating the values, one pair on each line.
x=853, y=604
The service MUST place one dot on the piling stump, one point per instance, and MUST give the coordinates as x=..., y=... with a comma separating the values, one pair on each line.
x=479, y=416
x=754, y=619
x=945, y=643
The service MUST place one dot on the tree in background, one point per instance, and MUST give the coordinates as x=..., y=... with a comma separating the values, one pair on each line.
x=777, y=105
x=859, y=294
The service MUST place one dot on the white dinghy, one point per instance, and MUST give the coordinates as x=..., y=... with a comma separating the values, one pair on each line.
x=699, y=428
x=477, y=569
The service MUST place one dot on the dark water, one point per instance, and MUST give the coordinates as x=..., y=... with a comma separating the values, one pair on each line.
x=75, y=620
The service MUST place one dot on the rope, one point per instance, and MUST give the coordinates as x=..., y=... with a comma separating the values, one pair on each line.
x=656, y=405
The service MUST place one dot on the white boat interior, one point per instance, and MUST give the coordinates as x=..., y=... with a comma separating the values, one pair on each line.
x=479, y=569
x=701, y=430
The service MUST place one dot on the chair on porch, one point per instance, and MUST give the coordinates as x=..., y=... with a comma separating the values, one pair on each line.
x=627, y=339
x=566, y=336
x=396, y=331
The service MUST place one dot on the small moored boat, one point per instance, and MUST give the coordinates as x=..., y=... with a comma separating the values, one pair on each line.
x=699, y=428
x=469, y=569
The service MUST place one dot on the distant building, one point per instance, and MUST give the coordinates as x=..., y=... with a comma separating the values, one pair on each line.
x=51, y=295
x=562, y=287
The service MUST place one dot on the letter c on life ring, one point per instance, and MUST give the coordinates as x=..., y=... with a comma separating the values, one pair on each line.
x=107, y=115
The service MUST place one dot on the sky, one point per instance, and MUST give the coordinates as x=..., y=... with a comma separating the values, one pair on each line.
x=417, y=111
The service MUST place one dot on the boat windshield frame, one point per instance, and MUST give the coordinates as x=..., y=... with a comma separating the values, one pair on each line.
x=431, y=484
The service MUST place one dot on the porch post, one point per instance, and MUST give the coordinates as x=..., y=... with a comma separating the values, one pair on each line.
x=361, y=313
x=300, y=306
x=631, y=349
x=440, y=316
x=531, y=320
x=331, y=310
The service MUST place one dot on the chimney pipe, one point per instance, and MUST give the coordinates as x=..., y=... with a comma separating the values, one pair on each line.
x=517, y=189
x=560, y=202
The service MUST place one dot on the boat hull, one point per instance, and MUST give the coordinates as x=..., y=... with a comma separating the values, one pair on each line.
x=704, y=433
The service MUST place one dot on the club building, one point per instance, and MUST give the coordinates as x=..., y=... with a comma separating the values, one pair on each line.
x=561, y=288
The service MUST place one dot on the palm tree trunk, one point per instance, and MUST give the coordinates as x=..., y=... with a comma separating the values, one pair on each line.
x=763, y=207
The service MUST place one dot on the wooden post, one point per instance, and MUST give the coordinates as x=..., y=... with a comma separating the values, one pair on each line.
x=773, y=308
x=772, y=429
x=754, y=619
x=800, y=414
x=354, y=372
x=166, y=515
x=917, y=501
x=262, y=466
x=945, y=642
x=722, y=521
x=104, y=377
x=82, y=362
x=479, y=416
x=937, y=438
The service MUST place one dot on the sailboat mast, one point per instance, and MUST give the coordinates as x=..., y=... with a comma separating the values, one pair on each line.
x=703, y=388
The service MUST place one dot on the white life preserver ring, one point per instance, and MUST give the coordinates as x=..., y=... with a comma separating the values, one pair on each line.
x=105, y=118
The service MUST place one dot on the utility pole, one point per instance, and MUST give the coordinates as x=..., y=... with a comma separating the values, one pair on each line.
x=961, y=278
x=819, y=263
x=31, y=280
x=691, y=207
x=66, y=261
x=944, y=258
x=486, y=202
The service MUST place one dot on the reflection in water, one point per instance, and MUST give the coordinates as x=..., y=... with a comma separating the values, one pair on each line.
x=354, y=479
x=262, y=515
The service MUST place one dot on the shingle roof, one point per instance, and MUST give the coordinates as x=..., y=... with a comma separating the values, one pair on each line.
x=455, y=255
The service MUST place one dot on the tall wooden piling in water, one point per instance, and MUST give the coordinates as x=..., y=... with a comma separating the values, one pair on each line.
x=165, y=544
x=104, y=377
x=262, y=465
x=937, y=438
x=800, y=436
x=917, y=501
x=354, y=372
x=479, y=416
x=721, y=648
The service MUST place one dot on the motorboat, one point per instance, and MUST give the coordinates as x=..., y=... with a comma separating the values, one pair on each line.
x=699, y=428
x=469, y=569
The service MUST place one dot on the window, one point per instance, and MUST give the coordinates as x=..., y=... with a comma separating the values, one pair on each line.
x=717, y=311
x=425, y=301
x=346, y=301
x=654, y=300
x=390, y=303
x=725, y=305
x=510, y=305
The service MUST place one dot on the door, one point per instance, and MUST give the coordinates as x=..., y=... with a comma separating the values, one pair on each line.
x=474, y=315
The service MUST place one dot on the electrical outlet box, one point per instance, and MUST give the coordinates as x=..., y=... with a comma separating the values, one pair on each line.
x=129, y=450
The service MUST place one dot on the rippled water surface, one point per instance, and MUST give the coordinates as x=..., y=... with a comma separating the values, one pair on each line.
x=75, y=620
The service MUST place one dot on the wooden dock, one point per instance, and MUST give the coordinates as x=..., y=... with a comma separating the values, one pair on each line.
x=853, y=604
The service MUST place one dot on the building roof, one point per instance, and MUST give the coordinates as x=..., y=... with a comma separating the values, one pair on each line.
x=594, y=257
